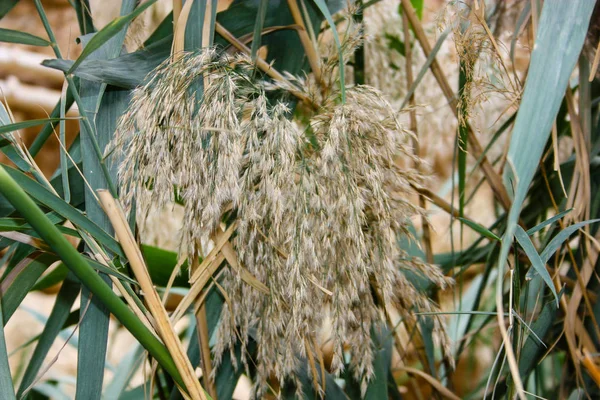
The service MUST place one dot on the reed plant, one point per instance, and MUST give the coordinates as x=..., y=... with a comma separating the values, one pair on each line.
x=299, y=266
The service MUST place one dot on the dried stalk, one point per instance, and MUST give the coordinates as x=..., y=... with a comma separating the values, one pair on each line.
x=309, y=48
x=415, y=130
x=262, y=64
x=494, y=179
x=155, y=306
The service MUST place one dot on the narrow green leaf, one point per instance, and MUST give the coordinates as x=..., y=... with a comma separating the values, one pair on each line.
x=6, y=6
x=536, y=261
x=126, y=71
x=425, y=67
x=42, y=195
x=533, y=350
x=25, y=124
x=547, y=222
x=58, y=316
x=561, y=33
x=47, y=130
x=21, y=279
x=7, y=390
x=108, y=32
x=325, y=11
x=64, y=159
x=84, y=16
x=258, y=27
x=11, y=36
x=107, y=106
x=480, y=229
x=559, y=239
x=54, y=277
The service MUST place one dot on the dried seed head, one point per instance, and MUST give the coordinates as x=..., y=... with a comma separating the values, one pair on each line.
x=318, y=214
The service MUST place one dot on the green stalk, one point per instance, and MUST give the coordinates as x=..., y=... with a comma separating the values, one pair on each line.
x=73, y=88
x=47, y=130
x=75, y=262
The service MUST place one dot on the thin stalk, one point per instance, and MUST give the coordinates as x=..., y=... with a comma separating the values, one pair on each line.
x=84, y=272
x=415, y=129
x=494, y=179
x=307, y=44
x=163, y=326
x=73, y=88
x=260, y=63
x=47, y=130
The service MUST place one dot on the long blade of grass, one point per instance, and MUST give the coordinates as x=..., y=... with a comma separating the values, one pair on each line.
x=108, y=32
x=547, y=222
x=45, y=197
x=72, y=259
x=54, y=324
x=7, y=390
x=536, y=260
x=64, y=164
x=258, y=27
x=106, y=106
x=25, y=124
x=12, y=36
x=48, y=128
x=562, y=31
x=560, y=238
x=480, y=229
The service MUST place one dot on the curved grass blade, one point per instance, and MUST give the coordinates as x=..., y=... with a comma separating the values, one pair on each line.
x=44, y=196
x=547, y=222
x=7, y=390
x=20, y=280
x=25, y=124
x=258, y=27
x=58, y=316
x=536, y=261
x=480, y=229
x=562, y=31
x=559, y=239
x=126, y=71
x=108, y=32
x=12, y=36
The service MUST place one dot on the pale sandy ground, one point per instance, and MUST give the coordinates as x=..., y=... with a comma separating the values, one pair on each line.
x=436, y=124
